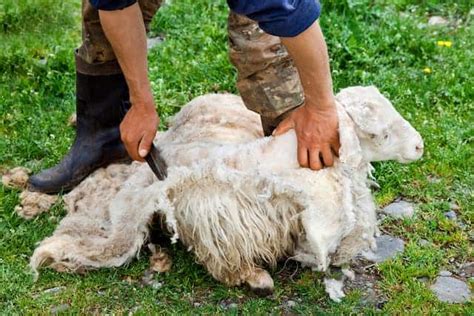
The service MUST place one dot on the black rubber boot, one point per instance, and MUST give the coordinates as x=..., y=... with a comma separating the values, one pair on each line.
x=100, y=109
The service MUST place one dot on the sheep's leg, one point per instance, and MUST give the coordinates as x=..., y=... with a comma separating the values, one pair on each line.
x=260, y=282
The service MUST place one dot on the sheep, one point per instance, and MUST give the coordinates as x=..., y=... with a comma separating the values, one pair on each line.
x=236, y=200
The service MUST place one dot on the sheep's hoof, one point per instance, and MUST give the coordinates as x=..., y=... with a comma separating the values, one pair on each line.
x=260, y=282
x=160, y=261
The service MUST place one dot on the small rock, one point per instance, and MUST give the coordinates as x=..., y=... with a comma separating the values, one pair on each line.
x=59, y=308
x=387, y=247
x=423, y=242
x=437, y=20
x=451, y=290
x=467, y=270
x=450, y=215
x=401, y=209
x=232, y=306
x=196, y=304
x=156, y=285
x=154, y=41
x=445, y=273
x=225, y=304
x=54, y=290
x=290, y=304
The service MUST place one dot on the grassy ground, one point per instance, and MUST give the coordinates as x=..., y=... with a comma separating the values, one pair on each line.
x=380, y=42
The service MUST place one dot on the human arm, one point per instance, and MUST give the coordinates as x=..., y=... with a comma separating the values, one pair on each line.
x=316, y=122
x=125, y=31
x=294, y=21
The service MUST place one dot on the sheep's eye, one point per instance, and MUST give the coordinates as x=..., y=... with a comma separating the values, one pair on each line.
x=372, y=136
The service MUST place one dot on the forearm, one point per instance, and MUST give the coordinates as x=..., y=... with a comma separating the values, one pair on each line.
x=126, y=33
x=310, y=56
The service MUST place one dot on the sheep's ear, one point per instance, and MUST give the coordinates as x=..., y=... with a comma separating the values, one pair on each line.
x=350, y=152
x=361, y=103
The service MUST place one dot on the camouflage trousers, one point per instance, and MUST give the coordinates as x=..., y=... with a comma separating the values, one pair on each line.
x=267, y=80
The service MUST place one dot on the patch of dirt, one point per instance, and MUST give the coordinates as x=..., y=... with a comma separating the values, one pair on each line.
x=366, y=277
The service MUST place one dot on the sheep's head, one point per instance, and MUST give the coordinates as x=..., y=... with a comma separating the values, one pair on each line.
x=383, y=133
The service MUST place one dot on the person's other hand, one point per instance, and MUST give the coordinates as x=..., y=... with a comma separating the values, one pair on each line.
x=317, y=133
x=138, y=129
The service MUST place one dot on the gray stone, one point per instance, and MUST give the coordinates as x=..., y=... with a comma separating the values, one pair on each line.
x=451, y=290
x=54, y=290
x=401, y=209
x=387, y=247
x=233, y=306
x=445, y=273
x=450, y=215
x=467, y=270
x=228, y=304
x=437, y=20
x=156, y=285
x=290, y=304
x=423, y=242
x=154, y=41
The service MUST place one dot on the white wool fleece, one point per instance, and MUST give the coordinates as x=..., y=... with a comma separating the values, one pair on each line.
x=236, y=199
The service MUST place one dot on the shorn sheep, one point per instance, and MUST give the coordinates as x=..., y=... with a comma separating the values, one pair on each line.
x=238, y=201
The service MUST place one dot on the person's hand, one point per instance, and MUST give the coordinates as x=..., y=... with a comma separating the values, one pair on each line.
x=317, y=133
x=138, y=129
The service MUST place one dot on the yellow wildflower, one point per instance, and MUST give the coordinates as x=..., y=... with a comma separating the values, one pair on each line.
x=444, y=43
x=427, y=70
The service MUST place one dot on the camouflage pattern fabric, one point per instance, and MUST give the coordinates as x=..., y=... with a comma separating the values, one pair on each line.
x=96, y=56
x=267, y=79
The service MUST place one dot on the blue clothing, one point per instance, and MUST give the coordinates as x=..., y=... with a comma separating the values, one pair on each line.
x=286, y=18
x=111, y=5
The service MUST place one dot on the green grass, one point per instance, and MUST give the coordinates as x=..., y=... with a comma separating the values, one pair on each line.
x=379, y=42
